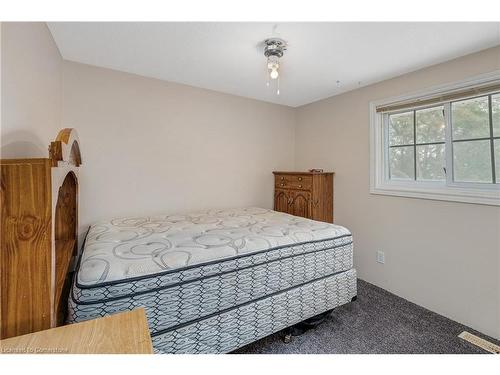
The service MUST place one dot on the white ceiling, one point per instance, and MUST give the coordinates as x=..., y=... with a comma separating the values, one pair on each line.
x=228, y=57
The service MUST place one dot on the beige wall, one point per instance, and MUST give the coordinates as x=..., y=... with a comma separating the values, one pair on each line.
x=148, y=146
x=441, y=255
x=30, y=89
x=151, y=146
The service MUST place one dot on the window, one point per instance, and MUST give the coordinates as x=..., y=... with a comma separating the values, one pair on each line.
x=443, y=144
x=473, y=139
x=417, y=144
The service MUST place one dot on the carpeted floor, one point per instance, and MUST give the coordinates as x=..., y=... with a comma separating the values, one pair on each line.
x=377, y=322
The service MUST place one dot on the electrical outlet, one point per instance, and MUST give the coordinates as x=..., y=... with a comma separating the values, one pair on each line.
x=380, y=257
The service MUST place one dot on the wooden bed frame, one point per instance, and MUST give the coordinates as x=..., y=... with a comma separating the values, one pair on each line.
x=39, y=234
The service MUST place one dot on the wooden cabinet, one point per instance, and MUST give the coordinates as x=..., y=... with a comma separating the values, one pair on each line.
x=39, y=204
x=305, y=194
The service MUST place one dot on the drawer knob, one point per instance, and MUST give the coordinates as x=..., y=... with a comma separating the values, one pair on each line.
x=282, y=184
x=300, y=178
x=300, y=186
x=282, y=178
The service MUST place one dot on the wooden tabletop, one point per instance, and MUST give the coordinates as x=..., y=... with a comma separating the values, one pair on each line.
x=123, y=333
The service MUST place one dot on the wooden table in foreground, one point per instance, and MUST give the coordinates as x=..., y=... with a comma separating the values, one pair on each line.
x=123, y=333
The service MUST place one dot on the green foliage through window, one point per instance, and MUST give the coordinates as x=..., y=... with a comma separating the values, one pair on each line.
x=417, y=142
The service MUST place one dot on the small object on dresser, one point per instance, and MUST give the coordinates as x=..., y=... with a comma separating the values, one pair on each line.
x=316, y=170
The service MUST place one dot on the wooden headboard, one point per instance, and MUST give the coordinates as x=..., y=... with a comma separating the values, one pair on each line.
x=39, y=232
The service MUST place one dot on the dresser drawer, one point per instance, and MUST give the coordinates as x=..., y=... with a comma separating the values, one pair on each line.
x=302, y=182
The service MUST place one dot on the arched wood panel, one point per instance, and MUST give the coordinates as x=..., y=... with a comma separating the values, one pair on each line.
x=66, y=209
x=281, y=201
x=65, y=234
x=66, y=148
x=301, y=203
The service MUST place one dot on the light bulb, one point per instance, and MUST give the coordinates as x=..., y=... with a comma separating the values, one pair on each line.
x=274, y=74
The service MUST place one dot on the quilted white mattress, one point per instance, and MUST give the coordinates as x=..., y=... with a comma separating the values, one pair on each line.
x=127, y=248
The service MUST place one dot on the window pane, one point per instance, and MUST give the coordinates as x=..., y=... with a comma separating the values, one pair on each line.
x=497, y=160
x=401, y=163
x=470, y=118
x=472, y=161
x=430, y=125
x=495, y=108
x=401, y=129
x=430, y=162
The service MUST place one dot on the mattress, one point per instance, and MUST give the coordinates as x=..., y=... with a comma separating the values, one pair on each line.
x=190, y=270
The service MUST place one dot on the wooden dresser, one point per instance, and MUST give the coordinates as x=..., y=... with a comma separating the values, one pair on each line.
x=39, y=223
x=306, y=194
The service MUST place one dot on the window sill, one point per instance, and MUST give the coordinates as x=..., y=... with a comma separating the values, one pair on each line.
x=441, y=193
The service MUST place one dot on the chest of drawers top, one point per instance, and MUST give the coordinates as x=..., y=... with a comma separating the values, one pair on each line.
x=296, y=180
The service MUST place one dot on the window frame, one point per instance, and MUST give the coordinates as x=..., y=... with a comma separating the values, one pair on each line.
x=447, y=190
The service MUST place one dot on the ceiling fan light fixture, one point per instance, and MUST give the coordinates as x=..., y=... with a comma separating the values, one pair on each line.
x=274, y=49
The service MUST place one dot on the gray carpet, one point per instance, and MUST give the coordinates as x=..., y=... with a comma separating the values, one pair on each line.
x=377, y=322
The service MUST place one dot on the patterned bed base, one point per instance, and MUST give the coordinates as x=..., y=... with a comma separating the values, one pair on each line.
x=231, y=329
x=170, y=306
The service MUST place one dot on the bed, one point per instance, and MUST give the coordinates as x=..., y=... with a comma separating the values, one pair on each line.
x=213, y=281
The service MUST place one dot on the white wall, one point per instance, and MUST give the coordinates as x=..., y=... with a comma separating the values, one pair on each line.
x=441, y=255
x=30, y=90
x=151, y=146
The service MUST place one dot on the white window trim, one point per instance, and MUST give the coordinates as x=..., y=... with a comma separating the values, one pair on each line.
x=488, y=194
